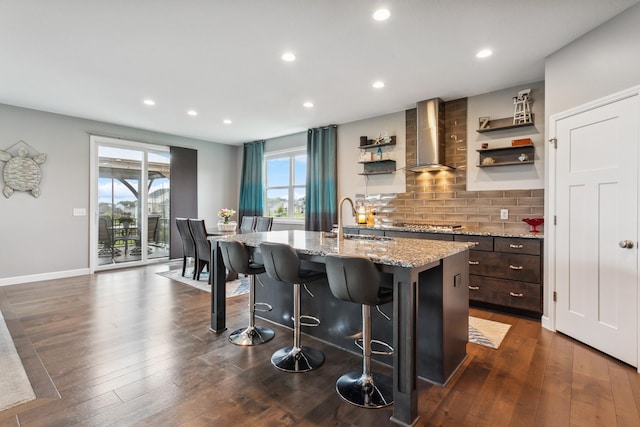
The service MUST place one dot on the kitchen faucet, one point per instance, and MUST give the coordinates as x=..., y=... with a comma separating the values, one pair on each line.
x=353, y=212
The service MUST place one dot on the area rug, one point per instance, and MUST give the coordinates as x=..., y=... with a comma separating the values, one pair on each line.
x=15, y=387
x=234, y=288
x=487, y=332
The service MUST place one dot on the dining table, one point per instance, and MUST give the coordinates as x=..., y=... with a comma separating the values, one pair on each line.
x=407, y=259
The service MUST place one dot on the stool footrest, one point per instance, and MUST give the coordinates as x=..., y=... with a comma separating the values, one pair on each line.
x=314, y=321
x=387, y=352
x=259, y=307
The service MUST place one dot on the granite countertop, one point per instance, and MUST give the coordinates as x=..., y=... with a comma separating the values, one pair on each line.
x=399, y=252
x=463, y=230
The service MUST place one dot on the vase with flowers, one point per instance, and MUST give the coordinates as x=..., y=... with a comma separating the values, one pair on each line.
x=225, y=223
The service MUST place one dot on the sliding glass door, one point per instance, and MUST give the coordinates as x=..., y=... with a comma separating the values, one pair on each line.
x=131, y=202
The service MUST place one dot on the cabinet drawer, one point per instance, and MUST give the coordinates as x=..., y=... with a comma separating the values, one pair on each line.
x=524, y=268
x=481, y=243
x=517, y=245
x=525, y=296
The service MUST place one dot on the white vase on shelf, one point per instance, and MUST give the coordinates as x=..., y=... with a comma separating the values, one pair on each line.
x=229, y=226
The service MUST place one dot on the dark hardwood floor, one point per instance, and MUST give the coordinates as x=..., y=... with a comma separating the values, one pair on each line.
x=131, y=347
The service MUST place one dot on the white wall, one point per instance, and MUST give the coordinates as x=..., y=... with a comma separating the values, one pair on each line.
x=39, y=238
x=349, y=182
x=496, y=105
x=603, y=61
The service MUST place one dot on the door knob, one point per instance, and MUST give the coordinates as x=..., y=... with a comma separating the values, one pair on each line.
x=628, y=244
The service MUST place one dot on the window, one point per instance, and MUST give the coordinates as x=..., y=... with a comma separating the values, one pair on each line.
x=286, y=174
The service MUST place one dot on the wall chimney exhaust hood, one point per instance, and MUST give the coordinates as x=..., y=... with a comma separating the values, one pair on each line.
x=430, y=139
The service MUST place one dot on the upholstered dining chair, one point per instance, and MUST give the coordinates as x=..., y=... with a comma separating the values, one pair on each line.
x=203, y=246
x=248, y=224
x=188, y=244
x=263, y=223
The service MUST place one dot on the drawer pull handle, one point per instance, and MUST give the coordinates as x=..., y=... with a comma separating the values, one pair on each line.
x=516, y=267
x=512, y=246
x=474, y=288
x=475, y=243
x=474, y=262
x=513, y=294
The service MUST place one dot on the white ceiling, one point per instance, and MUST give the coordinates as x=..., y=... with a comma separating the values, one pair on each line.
x=99, y=59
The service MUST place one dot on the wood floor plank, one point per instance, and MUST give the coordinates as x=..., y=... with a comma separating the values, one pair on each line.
x=132, y=348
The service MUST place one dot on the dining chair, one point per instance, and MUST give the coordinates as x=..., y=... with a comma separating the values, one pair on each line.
x=203, y=246
x=248, y=224
x=188, y=243
x=263, y=223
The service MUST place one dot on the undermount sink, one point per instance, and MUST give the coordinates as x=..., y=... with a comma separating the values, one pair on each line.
x=366, y=237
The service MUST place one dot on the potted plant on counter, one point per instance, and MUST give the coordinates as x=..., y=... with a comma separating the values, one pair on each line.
x=225, y=223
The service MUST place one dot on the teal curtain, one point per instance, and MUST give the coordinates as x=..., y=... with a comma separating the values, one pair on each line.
x=251, y=185
x=321, y=201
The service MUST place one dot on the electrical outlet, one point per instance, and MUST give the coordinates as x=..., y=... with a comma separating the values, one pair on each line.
x=504, y=213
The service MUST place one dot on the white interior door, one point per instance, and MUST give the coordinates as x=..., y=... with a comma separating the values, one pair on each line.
x=597, y=211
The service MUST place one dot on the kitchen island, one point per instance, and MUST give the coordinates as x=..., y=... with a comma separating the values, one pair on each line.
x=429, y=311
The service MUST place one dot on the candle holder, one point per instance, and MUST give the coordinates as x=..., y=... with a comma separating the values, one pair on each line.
x=534, y=223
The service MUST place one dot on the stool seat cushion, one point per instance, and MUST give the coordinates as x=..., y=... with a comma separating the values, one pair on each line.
x=356, y=279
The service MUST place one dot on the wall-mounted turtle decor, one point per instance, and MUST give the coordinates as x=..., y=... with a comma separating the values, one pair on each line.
x=22, y=171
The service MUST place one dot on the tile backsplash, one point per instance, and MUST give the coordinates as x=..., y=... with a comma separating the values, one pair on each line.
x=442, y=197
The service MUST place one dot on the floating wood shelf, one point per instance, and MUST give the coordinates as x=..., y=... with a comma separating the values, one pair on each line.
x=371, y=143
x=503, y=124
x=505, y=156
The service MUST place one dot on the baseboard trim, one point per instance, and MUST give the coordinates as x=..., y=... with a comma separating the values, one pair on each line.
x=43, y=276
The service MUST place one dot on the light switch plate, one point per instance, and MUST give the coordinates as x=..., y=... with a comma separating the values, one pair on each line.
x=79, y=212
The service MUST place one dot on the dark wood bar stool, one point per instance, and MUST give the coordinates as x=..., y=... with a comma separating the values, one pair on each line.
x=357, y=279
x=237, y=259
x=282, y=264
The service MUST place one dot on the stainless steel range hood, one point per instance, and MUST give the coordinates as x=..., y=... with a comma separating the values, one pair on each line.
x=430, y=137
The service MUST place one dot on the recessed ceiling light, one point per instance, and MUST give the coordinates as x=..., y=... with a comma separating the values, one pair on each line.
x=484, y=53
x=308, y=104
x=381, y=14
x=227, y=121
x=192, y=113
x=149, y=102
x=379, y=84
x=288, y=57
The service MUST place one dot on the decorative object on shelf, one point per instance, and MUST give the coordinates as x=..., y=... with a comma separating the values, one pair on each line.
x=504, y=156
x=520, y=142
x=522, y=107
x=225, y=224
x=534, y=223
x=488, y=161
x=363, y=141
x=21, y=172
x=381, y=139
x=379, y=154
x=483, y=122
x=485, y=145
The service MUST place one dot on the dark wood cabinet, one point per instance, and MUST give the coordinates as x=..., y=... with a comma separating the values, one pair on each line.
x=504, y=272
x=510, y=276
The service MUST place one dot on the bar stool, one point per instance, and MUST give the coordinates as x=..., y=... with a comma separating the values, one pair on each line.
x=282, y=264
x=236, y=259
x=357, y=279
